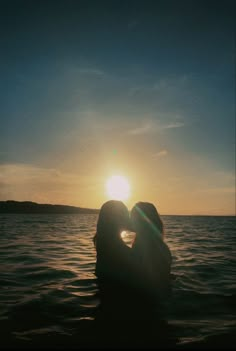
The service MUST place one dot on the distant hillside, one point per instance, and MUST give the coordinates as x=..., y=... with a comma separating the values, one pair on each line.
x=32, y=207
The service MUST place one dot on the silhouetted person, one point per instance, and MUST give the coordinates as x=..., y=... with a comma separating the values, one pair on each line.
x=151, y=251
x=116, y=268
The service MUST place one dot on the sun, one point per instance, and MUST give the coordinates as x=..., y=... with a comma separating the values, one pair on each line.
x=118, y=188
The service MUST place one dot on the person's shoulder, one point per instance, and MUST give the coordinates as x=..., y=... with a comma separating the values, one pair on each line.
x=166, y=246
x=167, y=251
x=162, y=248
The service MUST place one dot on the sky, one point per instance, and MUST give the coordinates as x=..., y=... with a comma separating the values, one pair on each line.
x=143, y=89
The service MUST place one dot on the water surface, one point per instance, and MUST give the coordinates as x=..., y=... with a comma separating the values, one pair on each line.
x=48, y=284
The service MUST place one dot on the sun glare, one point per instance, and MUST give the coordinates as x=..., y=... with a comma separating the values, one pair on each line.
x=123, y=234
x=118, y=188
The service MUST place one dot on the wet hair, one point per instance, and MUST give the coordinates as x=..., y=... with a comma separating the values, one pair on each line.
x=145, y=218
x=113, y=218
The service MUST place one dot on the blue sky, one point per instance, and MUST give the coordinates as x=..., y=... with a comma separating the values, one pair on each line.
x=144, y=88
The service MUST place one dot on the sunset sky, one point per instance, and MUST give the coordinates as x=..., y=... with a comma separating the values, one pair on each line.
x=143, y=89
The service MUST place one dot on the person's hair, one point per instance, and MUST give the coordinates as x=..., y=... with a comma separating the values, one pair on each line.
x=113, y=217
x=145, y=218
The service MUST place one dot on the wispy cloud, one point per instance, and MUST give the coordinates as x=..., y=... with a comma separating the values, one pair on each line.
x=164, y=87
x=154, y=126
x=147, y=128
x=176, y=82
x=173, y=125
x=161, y=153
x=82, y=69
x=91, y=71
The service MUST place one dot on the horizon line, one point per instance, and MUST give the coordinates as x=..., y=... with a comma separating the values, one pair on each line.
x=98, y=209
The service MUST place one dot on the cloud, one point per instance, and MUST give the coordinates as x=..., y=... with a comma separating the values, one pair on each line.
x=161, y=153
x=154, y=126
x=173, y=125
x=175, y=82
x=71, y=71
x=91, y=71
x=141, y=130
x=164, y=87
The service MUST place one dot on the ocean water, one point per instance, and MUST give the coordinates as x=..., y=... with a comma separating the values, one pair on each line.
x=48, y=284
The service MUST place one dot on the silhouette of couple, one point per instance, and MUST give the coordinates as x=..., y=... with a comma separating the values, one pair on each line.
x=133, y=281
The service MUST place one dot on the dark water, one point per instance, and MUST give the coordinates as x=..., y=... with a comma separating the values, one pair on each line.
x=48, y=285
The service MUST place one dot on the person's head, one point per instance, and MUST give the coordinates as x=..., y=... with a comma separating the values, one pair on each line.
x=145, y=218
x=113, y=218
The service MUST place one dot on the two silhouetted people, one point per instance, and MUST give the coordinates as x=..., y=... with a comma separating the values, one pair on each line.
x=133, y=281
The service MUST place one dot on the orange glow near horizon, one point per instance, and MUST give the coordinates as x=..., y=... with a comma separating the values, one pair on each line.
x=173, y=190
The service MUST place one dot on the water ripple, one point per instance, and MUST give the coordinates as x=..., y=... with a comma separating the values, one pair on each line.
x=47, y=273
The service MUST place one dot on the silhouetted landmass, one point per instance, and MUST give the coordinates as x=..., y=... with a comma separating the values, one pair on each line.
x=11, y=206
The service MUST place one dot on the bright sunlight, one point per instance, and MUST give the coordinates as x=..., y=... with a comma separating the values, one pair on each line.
x=118, y=188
